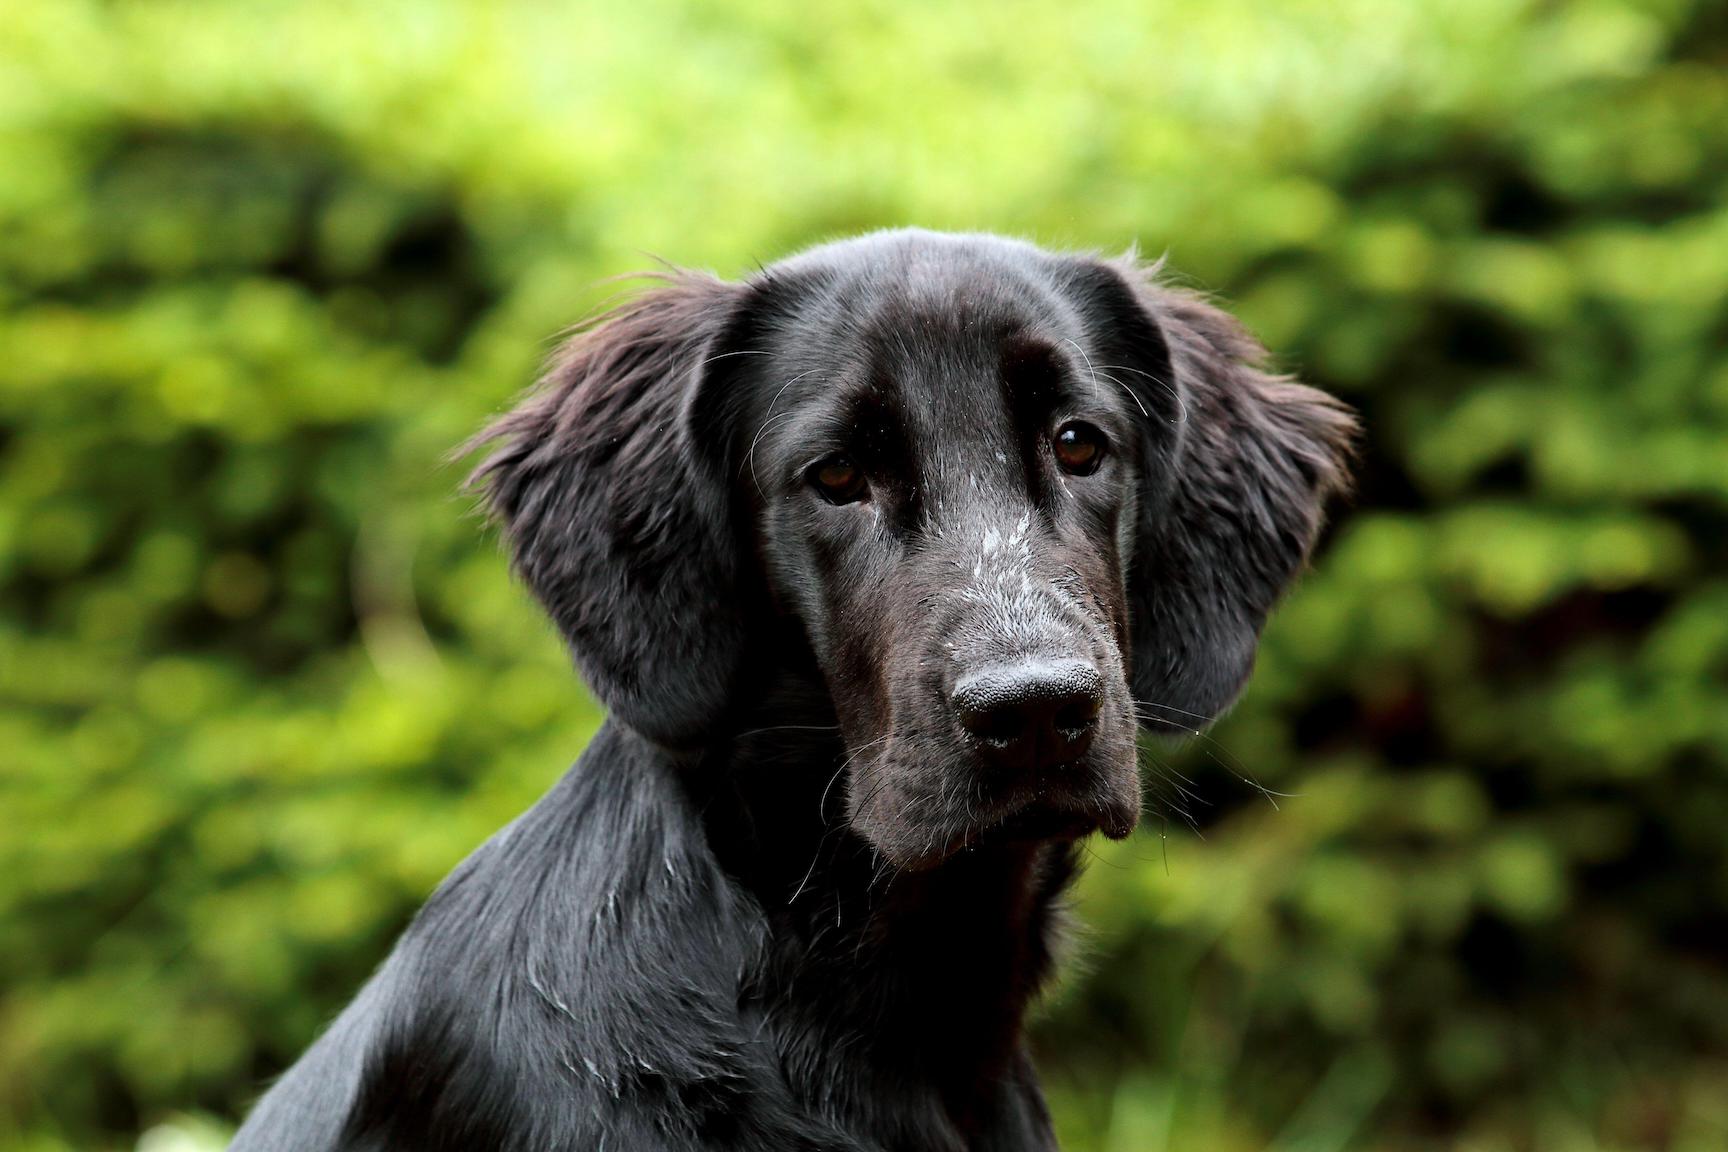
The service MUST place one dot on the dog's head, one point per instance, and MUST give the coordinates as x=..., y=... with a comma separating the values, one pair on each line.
x=1016, y=501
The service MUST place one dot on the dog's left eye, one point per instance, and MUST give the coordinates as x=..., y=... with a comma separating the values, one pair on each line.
x=1079, y=448
x=839, y=479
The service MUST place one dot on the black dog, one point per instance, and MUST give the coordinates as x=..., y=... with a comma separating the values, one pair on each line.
x=876, y=558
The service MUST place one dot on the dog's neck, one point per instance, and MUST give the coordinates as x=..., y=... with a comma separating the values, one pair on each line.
x=925, y=975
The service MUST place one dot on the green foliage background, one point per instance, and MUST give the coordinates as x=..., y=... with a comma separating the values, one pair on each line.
x=263, y=679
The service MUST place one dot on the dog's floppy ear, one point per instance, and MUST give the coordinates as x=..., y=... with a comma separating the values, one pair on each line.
x=1241, y=463
x=614, y=519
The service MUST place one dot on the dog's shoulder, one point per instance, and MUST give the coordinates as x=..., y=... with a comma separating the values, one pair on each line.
x=575, y=979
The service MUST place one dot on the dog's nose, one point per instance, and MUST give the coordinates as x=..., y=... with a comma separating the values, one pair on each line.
x=1033, y=714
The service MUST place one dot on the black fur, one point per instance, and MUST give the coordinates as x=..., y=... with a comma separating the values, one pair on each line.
x=794, y=896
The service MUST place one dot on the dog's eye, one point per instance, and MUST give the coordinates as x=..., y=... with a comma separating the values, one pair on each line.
x=1079, y=448
x=838, y=479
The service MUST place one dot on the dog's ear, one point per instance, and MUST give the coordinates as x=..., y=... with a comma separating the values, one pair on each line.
x=1240, y=463
x=615, y=518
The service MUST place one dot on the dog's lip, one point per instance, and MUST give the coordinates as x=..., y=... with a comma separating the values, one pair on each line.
x=1038, y=822
x=1031, y=823
x=1051, y=818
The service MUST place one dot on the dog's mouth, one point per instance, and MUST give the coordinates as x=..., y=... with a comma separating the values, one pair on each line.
x=1062, y=817
x=1032, y=825
x=1037, y=824
x=1107, y=801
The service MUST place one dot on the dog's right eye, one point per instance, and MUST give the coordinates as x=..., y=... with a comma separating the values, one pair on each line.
x=839, y=479
x=1079, y=448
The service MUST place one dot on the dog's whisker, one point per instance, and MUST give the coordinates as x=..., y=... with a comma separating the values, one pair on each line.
x=1216, y=751
x=750, y=453
x=1197, y=716
x=1175, y=394
x=1094, y=373
x=736, y=352
x=768, y=419
x=788, y=728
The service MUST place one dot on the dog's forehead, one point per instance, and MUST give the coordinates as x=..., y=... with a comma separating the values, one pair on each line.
x=921, y=324
x=953, y=284
x=932, y=372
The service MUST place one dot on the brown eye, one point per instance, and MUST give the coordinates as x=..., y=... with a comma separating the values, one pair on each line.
x=838, y=479
x=1079, y=448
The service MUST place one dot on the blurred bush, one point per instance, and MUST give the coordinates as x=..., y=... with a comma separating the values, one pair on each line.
x=263, y=680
